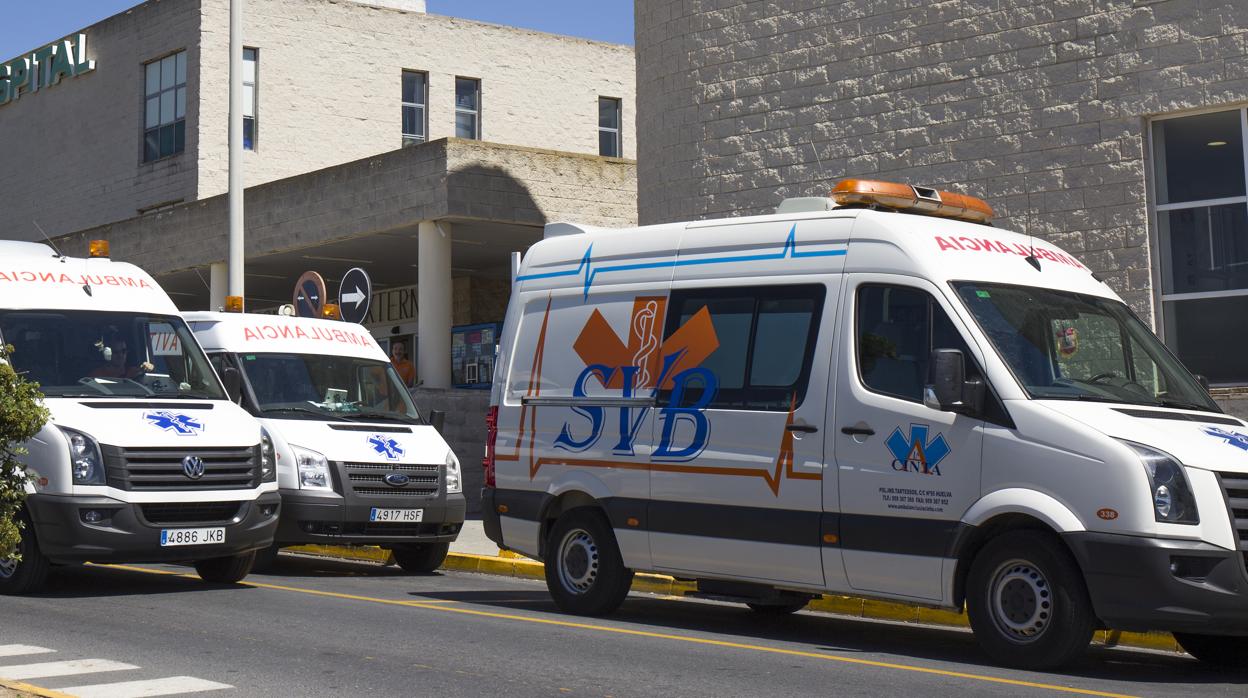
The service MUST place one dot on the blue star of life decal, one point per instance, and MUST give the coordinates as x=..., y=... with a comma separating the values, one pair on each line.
x=386, y=446
x=1233, y=438
x=180, y=424
x=917, y=453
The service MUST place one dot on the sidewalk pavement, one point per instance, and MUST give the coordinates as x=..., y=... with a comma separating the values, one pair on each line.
x=473, y=552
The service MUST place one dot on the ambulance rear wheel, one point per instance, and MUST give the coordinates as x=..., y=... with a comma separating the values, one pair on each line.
x=584, y=570
x=1027, y=602
x=28, y=574
x=1217, y=650
x=226, y=570
x=423, y=558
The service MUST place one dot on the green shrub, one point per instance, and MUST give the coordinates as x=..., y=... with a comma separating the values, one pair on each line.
x=22, y=415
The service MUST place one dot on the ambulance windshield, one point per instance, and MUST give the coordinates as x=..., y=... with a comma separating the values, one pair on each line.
x=326, y=386
x=88, y=353
x=1072, y=346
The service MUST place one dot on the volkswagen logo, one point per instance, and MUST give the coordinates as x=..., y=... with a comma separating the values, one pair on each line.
x=193, y=467
x=397, y=479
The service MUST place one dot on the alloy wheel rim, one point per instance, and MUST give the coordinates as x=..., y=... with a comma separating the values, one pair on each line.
x=1021, y=601
x=578, y=561
x=8, y=568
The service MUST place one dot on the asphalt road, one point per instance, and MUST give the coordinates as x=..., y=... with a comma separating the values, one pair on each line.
x=328, y=628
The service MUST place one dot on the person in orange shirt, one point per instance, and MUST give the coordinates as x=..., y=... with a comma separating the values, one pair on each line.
x=398, y=357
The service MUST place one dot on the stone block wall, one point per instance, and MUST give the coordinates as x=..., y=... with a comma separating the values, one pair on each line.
x=464, y=430
x=1039, y=106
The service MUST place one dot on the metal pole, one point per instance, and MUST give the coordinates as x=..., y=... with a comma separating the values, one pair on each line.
x=235, y=258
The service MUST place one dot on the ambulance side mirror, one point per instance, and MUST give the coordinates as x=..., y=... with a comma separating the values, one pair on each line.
x=437, y=419
x=947, y=388
x=233, y=381
x=1204, y=382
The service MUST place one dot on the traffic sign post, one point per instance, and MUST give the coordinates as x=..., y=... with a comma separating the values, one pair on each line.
x=355, y=293
x=310, y=295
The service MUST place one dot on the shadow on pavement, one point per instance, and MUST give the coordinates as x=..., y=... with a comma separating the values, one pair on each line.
x=98, y=581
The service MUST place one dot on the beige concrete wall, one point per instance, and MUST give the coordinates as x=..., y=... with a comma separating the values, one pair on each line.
x=330, y=78
x=72, y=153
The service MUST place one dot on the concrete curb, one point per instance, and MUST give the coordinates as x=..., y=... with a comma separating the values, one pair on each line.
x=852, y=606
x=32, y=690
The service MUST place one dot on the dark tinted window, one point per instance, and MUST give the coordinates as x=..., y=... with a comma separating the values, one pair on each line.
x=766, y=338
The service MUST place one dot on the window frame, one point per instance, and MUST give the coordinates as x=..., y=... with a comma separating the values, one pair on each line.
x=145, y=96
x=422, y=107
x=618, y=130
x=475, y=113
x=816, y=292
x=255, y=100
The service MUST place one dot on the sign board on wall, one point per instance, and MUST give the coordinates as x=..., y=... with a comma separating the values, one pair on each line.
x=393, y=306
x=44, y=67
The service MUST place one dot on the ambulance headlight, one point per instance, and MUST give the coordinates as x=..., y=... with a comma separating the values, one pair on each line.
x=268, y=459
x=313, y=469
x=85, y=462
x=1169, y=490
x=454, y=478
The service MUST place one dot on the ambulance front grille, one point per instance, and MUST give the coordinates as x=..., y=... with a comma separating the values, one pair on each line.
x=1235, y=485
x=162, y=469
x=368, y=480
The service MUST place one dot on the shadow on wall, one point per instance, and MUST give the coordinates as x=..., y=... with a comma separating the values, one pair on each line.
x=492, y=193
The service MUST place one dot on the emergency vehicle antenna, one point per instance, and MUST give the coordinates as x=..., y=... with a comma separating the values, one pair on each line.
x=49, y=240
x=1031, y=242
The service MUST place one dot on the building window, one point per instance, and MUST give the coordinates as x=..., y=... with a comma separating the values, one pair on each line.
x=164, y=109
x=251, y=99
x=1202, y=226
x=467, y=108
x=414, y=121
x=610, y=143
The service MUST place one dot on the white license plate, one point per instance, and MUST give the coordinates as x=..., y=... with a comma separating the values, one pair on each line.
x=397, y=515
x=191, y=536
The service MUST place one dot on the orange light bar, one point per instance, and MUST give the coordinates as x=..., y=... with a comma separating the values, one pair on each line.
x=233, y=304
x=905, y=197
x=331, y=312
x=98, y=248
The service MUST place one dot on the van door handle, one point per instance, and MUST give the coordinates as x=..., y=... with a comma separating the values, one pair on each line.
x=804, y=428
x=858, y=431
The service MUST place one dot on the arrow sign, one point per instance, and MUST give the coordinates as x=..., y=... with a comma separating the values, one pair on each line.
x=355, y=294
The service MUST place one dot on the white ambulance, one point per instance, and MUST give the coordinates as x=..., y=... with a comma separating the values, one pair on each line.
x=873, y=394
x=144, y=458
x=356, y=462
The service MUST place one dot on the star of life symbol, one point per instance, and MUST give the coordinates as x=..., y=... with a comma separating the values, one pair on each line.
x=1233, y=438
x=180, y=424
x=386, y=446
x=917, y=453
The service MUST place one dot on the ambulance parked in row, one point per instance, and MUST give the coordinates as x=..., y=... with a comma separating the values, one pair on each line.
x=873, y=394
x=144, y=458
x=356, y=462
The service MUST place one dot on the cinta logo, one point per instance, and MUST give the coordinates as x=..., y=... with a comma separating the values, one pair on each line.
x=180, y=424
x=917, y=454
x=1233, y=438
x=386, y=446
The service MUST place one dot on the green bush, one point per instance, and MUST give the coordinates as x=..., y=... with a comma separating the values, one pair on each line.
x=22, y=415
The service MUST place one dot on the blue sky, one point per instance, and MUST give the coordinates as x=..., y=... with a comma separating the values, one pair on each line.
x=29, y=25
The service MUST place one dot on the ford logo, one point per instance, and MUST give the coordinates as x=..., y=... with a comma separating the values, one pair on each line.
x=193, y=467
x=397, y=479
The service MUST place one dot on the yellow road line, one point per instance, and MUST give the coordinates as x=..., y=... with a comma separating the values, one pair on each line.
x=659, y=636
x=33, y=690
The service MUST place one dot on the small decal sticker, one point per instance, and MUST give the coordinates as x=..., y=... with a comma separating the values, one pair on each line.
x=386, y=446
x=917, y=454
x=1233, y=438
x=180, y=424
x=1107, y=514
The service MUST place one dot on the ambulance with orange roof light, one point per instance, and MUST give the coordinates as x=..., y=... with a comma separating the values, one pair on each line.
x=873, y=393
x=144, y=458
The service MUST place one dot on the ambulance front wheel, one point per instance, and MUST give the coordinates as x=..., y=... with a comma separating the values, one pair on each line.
x=584, y=570
x=230, y=569
x=1027, y=602
x=29, y=573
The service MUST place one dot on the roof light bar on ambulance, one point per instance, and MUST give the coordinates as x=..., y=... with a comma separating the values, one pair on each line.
x=907, y=197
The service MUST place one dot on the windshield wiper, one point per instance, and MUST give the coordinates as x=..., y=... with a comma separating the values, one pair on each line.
x=390, y=416
x=1180, y=405
x=303, y=410
x=1083, y=397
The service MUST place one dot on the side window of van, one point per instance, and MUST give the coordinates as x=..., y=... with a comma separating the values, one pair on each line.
x=766, y=337
x=897, y=328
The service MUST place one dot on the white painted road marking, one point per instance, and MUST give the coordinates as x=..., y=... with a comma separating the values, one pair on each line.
x=20, y=650
x=73, y=667
x=138, y=689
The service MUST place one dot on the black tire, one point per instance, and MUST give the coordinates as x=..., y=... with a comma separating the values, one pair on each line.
x=31, y=572
x=1027, y=601
x=1216, y=650
x=778, y=609
x=226, y=570
x=267, y=559
x=422, y=558
x=584, y=571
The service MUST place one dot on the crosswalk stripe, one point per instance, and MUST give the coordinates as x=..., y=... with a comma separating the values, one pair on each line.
x=20, y=650
x=43, y=670
x=138, y=689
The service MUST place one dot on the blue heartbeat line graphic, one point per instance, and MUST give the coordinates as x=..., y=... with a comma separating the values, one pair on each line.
x=586, y=267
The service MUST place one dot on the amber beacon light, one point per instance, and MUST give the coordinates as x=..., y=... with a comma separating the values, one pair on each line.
x=912, y=199
x=98, y=248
